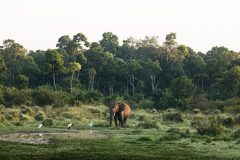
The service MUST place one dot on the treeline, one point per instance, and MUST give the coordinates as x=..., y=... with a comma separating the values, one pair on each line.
x=143, y=72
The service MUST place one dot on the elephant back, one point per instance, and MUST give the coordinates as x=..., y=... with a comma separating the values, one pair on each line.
x=124, y=107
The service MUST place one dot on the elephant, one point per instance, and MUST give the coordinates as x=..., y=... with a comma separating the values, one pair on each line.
x=120, y=112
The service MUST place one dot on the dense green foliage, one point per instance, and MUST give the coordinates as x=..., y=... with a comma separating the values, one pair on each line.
x=143, y=72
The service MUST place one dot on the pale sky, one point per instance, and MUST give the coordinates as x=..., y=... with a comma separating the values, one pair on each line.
x=200, y=24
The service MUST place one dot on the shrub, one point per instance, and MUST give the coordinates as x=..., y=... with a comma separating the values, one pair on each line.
x=42, y=97
x=229, y=122
x=144, y=139
x=237, y=119
x=217, y=111
x=93, y=96
x=200, y=101
x=146, y=104
x=24, y=117
x=208, y=140
x=236, y=134
x=94, y=110
x=11, y=114
x=48, y=122
x=232, y=109
x=40, y=116
x=163, y=99
x=196, y=111
x=197, y=119
x=148, y=125
x=173, y=115
x=174, y=130
x=26, y=110
x=211, y=127
x=18, y=123
x=182, y=103
x=12, y=96
x=170, y=137
x=68, y=115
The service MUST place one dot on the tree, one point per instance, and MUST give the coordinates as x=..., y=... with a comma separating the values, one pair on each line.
x=182, y=52
x=231, y=82
x=217, y=60
x=182, y=87
x=170, y=45
x=12, y=54
x=91, y=76
x=2, y=65
x=21, y=82
x=132, y=68
x=54, y=62
x=152, y=69
x=193, y=64
x=74, y=46
x=73, y=67
x=201, y=77
x=109, y=42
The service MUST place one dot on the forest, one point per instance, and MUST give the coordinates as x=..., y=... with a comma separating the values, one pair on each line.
x=141, y=71
x=57, y=103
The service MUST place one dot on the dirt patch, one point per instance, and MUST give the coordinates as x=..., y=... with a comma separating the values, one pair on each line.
x=44, y=137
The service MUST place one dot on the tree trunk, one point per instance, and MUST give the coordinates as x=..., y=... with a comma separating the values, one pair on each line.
x=131, y=82
x=71, y=81
x=54, y=82
x=78, y=75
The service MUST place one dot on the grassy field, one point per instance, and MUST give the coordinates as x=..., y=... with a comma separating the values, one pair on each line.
x=148, y=135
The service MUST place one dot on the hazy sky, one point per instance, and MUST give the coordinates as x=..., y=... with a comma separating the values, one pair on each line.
x=200, y=24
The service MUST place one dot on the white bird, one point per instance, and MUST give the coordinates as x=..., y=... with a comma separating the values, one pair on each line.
x=69, y=125
x=91, y=124
x=40, y=126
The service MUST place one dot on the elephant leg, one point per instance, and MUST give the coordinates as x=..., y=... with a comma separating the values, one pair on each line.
x=125, y=120
x=116, y=119
x=122, y=119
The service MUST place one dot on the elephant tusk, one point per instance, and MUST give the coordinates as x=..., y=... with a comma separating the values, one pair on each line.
x=113, y=114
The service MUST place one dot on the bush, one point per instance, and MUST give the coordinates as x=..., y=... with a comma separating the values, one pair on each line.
x=42, y=97
x=144, y=139
x=68, y=115
x=48, y=122
x=229, y=122
x=26, y=110
x=93, y=97
x=174, y=130
x=12, y=96
x=146, y=104
x=196, y=111
x=173, y=115
x=211, y=127
x=217, y=111
x=24, y=117
x=170, y=137
x=11, y=114
x=182, y=103
x=18, y=123
x=232, y=109
x=89, y=96
x=197, y=119
x=237, y=119
x=236, y=134
x=163, y=99
x=40, y=116
x=148, y=125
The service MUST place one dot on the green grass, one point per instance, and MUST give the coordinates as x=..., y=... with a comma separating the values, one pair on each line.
x=119, y=144
x=146, y=136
